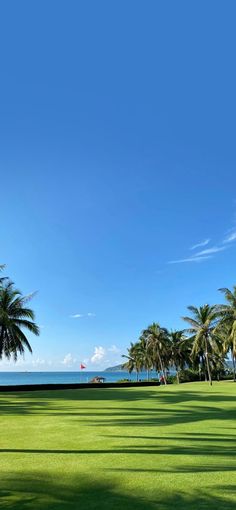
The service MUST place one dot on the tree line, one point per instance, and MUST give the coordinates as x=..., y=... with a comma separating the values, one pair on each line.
x=204, y=345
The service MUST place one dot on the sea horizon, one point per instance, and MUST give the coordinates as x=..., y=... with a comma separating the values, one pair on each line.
x=8, y=378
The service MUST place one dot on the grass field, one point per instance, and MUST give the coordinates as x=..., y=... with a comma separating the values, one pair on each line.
x=109, y=449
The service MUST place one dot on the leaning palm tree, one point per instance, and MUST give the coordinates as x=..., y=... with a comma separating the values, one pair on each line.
x=227, y=325
x=15, y=317
x=158, y=345
x=135, y=360
x=203, y=338
x=179, y=351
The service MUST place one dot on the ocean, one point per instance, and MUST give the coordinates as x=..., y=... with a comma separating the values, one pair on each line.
x=11, y=378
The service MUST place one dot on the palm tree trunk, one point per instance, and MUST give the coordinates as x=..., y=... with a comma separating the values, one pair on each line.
x=162, y=368
x=199, y=372
x=207, y=364
x=1, y=341
x=148, y=374
x=233, y=360
x=177, y=374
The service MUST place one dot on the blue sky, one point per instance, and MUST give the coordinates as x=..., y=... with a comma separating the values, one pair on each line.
x=117, y=156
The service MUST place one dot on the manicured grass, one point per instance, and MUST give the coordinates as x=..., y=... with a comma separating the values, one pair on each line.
x=116, y=449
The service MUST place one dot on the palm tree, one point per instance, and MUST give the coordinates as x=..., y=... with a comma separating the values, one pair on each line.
x=227, y=326
x=179, y=351
x=157, y=346
x=14, y=318
x=145, y=354
x=204, y=340
x=134, y=357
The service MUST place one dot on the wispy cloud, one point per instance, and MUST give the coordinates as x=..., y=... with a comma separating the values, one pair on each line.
x=210, y=251
x=200, y=256
x=230, y=238
x=200, y=245
x=190, y=259
x=80, y=315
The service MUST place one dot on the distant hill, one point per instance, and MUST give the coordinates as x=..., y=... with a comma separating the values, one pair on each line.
x=117, y=368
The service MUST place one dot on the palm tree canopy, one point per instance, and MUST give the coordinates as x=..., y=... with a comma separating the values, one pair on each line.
x=203, y=318
x=227, y=314
x=203, y=326
x=3, y=278
x=179, y=349
x=157, y=345
x=14, y=318
x=134, y=357
x=155, y=333
x=230, y=296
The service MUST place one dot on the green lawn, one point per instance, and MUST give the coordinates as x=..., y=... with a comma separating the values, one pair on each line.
x=116, y=449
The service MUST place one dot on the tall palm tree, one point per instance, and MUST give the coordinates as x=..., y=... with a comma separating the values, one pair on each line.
x=179, y=351
x=145, y=354
x=227, y=326
x=14, y=318
x=204, y=340
x=157, y=345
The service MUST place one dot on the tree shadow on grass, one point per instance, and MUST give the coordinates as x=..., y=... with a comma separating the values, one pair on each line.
x=164, y=417
x=106, y=412
x=188, y=443
x=216, y=450
x=127, y=418
x=83, y=394
x=37, y=493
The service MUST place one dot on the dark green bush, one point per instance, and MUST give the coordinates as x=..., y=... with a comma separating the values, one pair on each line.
x=171, y=379
x=124, y=380
x=188, y=375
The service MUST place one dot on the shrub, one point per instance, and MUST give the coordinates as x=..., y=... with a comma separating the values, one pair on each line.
x=171, y=379
x=124, y=380
x=188, y=375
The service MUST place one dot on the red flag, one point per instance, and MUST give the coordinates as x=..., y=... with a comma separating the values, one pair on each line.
x=82, y=366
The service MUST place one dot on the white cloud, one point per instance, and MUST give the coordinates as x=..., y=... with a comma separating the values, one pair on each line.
x=200, y=256
x=190, y=259
x=99, y=353
x=69, y=360
x=21, y=361
x=39, y=362
x=200, y=245
x=80, y=315
x=210, y=251
x=230, y=238
x=114, y=349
